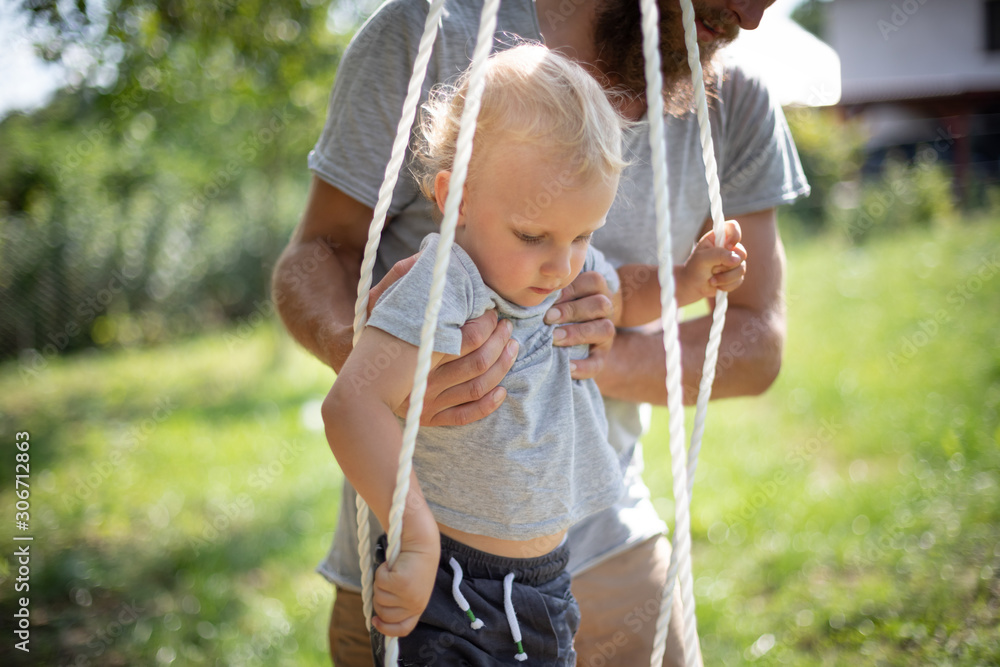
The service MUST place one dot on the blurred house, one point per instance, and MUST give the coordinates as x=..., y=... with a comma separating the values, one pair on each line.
x=923, y=72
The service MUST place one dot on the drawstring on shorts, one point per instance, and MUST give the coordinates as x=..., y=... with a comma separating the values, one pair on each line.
x=456, y=593
x=508, y=606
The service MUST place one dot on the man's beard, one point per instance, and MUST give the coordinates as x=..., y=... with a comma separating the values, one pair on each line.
x=618, y=37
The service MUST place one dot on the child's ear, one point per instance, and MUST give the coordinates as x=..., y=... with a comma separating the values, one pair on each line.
x=441, y=183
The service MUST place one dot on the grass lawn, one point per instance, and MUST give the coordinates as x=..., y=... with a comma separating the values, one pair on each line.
x=181, y=496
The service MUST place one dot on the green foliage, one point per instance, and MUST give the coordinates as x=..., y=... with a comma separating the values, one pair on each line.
x=180, y=499
x=852, y=513
x=811, y=15
x=917, y=194
x=152, y=197
x=831, y=152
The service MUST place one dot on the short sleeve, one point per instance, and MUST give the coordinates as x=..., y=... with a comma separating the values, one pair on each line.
x=596, y=261
x=366, y=104
x=760, y=166
x=400, y=310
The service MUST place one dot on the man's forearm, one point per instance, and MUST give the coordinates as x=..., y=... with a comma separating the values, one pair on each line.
x=313, y=290
x=749, y=359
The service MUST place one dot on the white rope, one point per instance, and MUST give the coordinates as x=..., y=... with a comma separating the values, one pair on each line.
x=671, y=343
x=718, y=221
x=681, y=561
x=463, y=153
x=368, y=263
x=365, y=555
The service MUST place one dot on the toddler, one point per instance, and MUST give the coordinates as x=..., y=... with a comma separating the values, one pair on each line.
x=481, y=575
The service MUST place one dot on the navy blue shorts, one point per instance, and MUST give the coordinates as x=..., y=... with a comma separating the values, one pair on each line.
x=547, y=615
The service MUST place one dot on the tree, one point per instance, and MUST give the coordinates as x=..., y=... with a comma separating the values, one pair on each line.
x=152, y=195
x=811, y=15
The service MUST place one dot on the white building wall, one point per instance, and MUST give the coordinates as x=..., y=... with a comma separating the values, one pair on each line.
x=911, y=48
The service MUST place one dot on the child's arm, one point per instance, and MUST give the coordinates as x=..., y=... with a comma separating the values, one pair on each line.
x=707, y=269
x=366, y=438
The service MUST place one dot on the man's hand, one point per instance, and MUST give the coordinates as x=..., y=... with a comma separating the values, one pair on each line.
x=586, y=308
x=465, y=388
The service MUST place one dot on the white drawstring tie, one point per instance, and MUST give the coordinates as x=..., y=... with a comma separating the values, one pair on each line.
x=508, y=607
x=456, y=593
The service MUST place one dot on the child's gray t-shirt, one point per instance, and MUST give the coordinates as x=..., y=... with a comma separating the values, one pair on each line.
x=539, y=463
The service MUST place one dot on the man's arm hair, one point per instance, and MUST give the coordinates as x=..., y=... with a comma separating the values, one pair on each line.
x=315, y=280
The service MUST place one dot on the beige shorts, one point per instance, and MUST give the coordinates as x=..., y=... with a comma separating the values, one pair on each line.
x=619, y=600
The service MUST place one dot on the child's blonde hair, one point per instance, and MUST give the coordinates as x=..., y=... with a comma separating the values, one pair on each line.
x=532, y=96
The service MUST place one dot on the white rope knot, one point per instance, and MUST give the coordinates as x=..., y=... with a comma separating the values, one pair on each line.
x=456, y=593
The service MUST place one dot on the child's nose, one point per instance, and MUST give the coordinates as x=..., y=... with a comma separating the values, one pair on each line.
x=558, y=264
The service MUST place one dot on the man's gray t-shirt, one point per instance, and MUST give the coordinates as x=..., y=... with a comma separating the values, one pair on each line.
x=542, y=461
x=759, y=169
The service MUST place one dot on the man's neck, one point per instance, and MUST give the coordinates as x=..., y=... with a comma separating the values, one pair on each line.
x=568, y=27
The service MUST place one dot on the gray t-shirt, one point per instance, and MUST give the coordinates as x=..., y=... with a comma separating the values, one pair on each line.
x=759, y=169
x=540, y=463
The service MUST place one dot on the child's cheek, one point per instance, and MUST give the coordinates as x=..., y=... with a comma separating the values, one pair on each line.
x=579, y=257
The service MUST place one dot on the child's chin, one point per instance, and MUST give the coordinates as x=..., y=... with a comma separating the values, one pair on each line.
x=530, y=300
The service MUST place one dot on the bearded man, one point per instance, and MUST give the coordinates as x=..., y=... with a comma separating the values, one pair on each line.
x=619, y=556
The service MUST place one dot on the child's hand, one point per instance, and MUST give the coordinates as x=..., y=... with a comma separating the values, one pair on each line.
x=710, y=268
x=402, y=594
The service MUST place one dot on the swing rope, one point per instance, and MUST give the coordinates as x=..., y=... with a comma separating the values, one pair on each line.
x=463, y=154
x=718, y=220
x=668, y=319
x=680, y=557
x=374, y=236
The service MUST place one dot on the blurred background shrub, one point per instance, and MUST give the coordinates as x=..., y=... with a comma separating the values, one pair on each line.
x=858, y=198
x=150, y=198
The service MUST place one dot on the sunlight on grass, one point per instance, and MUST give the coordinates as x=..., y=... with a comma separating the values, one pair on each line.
x=184, y=482
x=182, y=495
x=853, y=509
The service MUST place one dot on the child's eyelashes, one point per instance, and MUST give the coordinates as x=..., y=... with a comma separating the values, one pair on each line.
x=527, y=238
